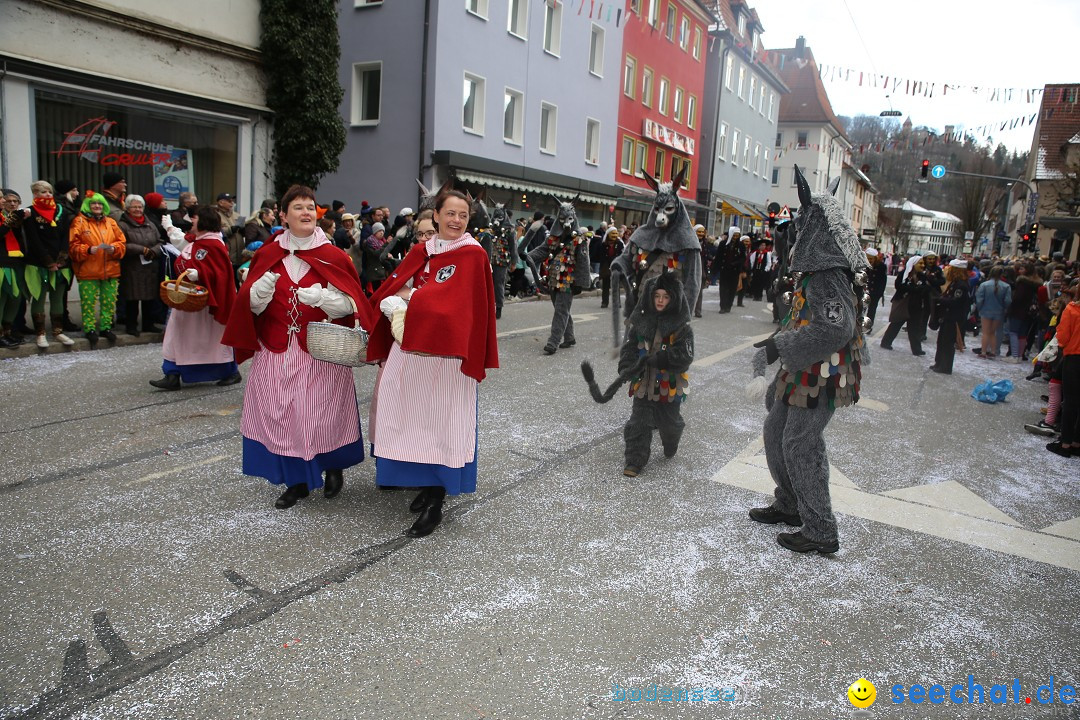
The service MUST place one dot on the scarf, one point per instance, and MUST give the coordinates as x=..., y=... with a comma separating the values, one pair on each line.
x=11, y=241
x=141, y=220
x=46, y=208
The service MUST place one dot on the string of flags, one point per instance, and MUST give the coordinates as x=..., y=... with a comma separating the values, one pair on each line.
x=906, y=86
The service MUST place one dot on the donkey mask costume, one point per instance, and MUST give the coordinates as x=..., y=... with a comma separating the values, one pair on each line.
x=666, y=241
x=503, y=253
x=820, y=344
x=566, y=255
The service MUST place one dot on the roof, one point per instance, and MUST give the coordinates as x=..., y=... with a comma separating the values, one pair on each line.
x=910, y=207
x=1059, y=127
x=807, y=102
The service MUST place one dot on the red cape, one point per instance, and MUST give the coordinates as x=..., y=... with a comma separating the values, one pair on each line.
x=328, y=261
x=215, y=274
x=453, y=318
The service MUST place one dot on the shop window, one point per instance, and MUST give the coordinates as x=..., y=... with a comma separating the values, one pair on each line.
x=80, y=139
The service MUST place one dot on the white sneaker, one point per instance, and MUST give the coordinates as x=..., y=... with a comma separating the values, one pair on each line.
x=64, y=339
x=1011, y=360
x=42, y=341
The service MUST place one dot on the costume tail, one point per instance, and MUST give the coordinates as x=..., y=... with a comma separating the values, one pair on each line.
x=594, y=389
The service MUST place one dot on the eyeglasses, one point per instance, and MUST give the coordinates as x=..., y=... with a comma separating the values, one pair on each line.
x=425, y=234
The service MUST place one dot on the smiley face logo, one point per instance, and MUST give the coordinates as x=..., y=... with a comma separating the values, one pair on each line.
x=862, y=693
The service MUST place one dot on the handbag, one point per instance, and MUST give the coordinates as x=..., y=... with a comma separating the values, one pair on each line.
x=899, y=312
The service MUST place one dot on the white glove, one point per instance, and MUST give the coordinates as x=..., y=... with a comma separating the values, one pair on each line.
x=192, y=275
x=243, y=274
x=264, y=286
x=311, y=296
x=93, y=249
x=392, y=304
x=397, y=325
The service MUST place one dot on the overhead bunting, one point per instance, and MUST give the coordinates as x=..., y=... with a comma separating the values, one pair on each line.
x=896, y=85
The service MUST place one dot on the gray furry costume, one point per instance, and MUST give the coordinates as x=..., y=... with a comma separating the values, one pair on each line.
x=821, y=348
x=665, y=242
x=566, y=252
x=655, y=359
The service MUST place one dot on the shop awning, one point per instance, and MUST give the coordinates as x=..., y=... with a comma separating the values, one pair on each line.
x=1061, y=222
x=756, y=211
x=528, y=187
x=731, y=207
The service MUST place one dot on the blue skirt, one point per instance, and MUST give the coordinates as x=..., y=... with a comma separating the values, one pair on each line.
x=290, y=471
x=401, y=473
x=200, y=373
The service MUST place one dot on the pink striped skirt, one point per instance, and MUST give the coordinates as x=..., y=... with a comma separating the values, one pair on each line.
x=298, y=406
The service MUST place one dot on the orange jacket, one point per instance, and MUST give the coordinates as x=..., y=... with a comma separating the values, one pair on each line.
x=88, y=232
x=1068, y=330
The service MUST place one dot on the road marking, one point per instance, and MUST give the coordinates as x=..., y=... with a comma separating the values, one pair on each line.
x=951, y=494
x=1057, y=545
x=717, y=357
x=588, y=317
x=174, y=471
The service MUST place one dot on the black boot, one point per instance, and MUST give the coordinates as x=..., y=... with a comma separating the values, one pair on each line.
x=109, y=335
x=430, y=516
x=420, y=501
x=133, y=330
x=498, y=313
x=332, y=483
x=92, y=337
x=291, y=496
x=169, y=382
x=231, y=380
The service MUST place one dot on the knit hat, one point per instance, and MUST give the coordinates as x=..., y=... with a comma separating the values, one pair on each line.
x=63, y=187
x=154, y=200
x=377, y=227
x=336, y=205
x=110, y=178
x=9, y=191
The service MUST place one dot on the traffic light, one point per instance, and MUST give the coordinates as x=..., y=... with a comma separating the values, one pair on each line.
x=1034, y=236
x=1025, y=238
x=925, y=168
x=774, y=212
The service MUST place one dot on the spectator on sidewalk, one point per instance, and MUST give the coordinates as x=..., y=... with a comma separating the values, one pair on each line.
x=139, y=269
x=1068, y=336
x=48, y=269
x=96, y=246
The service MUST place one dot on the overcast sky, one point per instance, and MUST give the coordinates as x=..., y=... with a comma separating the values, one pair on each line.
x=991, y=44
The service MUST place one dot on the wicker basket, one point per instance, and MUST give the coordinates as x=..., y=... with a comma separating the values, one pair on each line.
x=180, y=294
x=337, y=344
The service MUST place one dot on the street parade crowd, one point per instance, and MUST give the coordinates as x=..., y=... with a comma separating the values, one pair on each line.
x=427, y=286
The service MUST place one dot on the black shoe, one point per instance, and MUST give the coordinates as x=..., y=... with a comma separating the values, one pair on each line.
x=169, y=382
x=669, y=452
x=772, y=516
x=549, y=349
x=919, y=354
x=332, y=483
x=498, y=313
x=7, y=343
x=631, y=471
x=420, y=501
x=429, y=519
x=155, y=329
x=1041, y=428
x=603, y=306
x=1057, y=449
x=92, y=337
x=886, y=347
x=133, y=331
x=70, y=326
x=231, y=380
x=697, y=315
x=109, y=335
x=291, y=496
x=1044, y=398
x=941, y=371
x=568, y=343
x=799, y=543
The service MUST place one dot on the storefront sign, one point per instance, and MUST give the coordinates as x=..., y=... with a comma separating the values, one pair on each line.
x=91, y=141
x=666, y=136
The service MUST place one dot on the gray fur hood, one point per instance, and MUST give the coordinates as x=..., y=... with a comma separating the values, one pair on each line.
x=645, y=320
x=824, y=239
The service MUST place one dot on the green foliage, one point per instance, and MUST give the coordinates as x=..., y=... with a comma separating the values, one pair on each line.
x=301, y=51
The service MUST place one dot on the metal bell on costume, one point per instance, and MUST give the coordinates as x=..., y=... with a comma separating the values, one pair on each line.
x=866, y=299
x=796, y=277
x=867, y=324
x=786, y=298
x=860, y=278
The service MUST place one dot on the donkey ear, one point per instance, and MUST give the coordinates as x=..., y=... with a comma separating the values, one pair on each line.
x=677, y=181
x=558, y=202
x=575, y=198
x=804, y=188
x=447, y=186
x=834, y=184
x=651, y=181
x=424, y=190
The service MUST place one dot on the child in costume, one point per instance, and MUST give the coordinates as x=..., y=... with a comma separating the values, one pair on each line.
x=655, y=358
x=820, y=344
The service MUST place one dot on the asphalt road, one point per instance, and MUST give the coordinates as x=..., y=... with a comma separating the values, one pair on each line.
x=143, y=576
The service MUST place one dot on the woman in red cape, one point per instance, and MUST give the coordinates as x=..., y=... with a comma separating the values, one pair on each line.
x=192, y=348
x=300, y=418
x=435, y=342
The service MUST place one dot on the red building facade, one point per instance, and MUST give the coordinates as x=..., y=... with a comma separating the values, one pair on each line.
x=663, y=81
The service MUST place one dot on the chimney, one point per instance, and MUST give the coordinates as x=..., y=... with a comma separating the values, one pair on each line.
x=800, y=47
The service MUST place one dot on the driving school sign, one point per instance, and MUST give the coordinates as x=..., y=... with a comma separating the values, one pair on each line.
x=91, y=141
